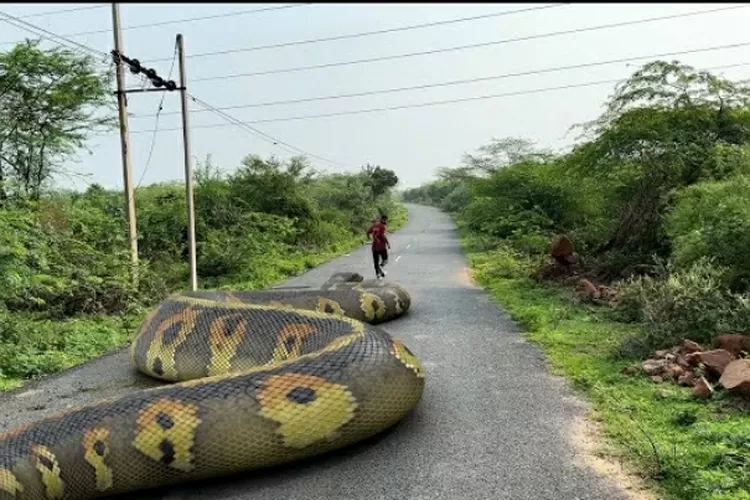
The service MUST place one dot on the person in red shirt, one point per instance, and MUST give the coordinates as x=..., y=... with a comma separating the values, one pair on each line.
x=380, y=245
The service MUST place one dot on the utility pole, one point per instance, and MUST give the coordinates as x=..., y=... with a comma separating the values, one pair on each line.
x=125, y=145
x=188, y=166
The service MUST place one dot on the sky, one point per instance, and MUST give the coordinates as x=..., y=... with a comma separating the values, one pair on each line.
x=414, y=141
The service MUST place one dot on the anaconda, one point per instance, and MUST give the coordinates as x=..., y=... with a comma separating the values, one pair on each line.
x=259, y=378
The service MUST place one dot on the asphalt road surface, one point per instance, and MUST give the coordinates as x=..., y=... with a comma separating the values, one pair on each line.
x=492, y=423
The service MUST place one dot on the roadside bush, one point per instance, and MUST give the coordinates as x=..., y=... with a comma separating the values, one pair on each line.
x=712, y=220
x=504, y=262
x=228, y=251
x=57, y=259
x=456, y=199
x=690, y=303
x=31, y=347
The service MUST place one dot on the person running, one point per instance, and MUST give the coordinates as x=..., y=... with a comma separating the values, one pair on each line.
x=380, y=245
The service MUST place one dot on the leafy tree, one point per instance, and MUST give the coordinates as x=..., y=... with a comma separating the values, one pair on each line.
x=500, y=153
x=660, y=131
x=273, y=187
x=50, y=101
x=379, y=179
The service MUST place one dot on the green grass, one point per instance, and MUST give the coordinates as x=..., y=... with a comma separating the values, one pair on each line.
x=32, y=347
x=685, y=449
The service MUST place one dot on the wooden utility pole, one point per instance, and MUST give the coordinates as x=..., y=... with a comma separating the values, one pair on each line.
x=125, y=145
x=188, y=166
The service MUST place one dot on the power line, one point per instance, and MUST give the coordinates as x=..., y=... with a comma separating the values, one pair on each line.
x=61, y=11
x=473, y=80
x=466, y=47
x=186, y=20
x=370, y=33
x=254, y=131
x=77, y=47
x=431, y=103
x=14, y=21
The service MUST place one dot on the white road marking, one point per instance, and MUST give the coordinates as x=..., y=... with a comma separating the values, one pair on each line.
x=408, y=246
x=397, y=258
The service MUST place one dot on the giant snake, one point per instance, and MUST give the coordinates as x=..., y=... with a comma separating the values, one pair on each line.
x=260, y=378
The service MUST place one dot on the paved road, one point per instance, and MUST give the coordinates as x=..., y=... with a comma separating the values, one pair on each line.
x=492, y=424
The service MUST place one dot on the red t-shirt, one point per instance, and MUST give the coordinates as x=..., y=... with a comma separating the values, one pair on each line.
x=377, y=231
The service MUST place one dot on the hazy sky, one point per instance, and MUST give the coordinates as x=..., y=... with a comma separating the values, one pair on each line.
x=414, y=141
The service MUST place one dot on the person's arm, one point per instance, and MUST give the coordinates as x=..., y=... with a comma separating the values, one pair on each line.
x=387, y=243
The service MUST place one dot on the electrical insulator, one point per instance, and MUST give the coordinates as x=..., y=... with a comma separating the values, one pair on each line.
x=135, y=66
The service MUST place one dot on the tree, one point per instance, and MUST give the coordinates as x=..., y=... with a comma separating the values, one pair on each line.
x=273, y=187
x=662, y=85
x=660, y=131
x=500, y=153
x=50, y=101
x=379, y=179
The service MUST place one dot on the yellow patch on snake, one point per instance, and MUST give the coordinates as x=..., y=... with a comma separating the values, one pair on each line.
x=396, y=301
x=9, y=483
x=95, y=451
x=166, y=432
x=372, y=305
x=224, y=339
x=164, y=353
x=329, y=306
x=145, y=326
x=307, y=408
x=290, y=340
x=341, y=342
x=403, y=354
x=46, y=463
x=279, y=305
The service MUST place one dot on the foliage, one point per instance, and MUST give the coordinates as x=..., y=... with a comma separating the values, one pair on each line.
x=378, y=180
x=49, y=105
x=712, y=220
x=694, y=302
x=522, y=198
x=500, y=153
x=31, y=347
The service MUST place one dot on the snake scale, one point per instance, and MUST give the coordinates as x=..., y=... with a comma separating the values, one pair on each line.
x=259, y=378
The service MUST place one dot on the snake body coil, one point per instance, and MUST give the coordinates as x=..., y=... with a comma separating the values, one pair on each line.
x=263, y=378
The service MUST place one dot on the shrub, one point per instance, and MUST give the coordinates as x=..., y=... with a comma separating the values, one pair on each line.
x=504, y=262
x=712, y=220
x=691, y=303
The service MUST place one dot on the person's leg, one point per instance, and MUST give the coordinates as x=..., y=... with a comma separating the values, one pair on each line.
x=382, y=254
x=383, y=262
x=376, y=261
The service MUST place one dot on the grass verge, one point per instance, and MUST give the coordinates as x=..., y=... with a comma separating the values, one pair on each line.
x=32, y=346
x=684, y=448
